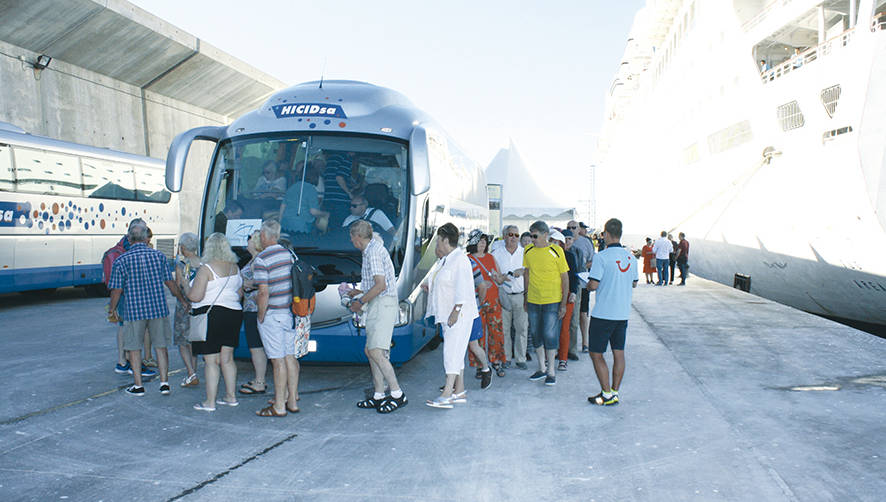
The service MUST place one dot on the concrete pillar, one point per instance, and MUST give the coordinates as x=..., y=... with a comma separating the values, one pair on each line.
x=853, y=13
x=821, y=30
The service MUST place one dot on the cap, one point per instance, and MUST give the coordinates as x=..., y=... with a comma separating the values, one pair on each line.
x=568, y=233
x=582, y=225
x=557, y=236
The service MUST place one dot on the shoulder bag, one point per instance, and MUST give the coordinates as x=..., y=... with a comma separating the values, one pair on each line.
x=199, y=321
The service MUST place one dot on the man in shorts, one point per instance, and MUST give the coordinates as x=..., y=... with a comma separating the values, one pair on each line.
x=139, y=276
x=613, y=276
x=284, y=337
x=382, y=311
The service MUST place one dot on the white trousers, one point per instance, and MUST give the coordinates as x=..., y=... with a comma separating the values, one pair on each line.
x=455, y=344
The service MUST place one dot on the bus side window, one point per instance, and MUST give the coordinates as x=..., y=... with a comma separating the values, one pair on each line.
x=7, y=175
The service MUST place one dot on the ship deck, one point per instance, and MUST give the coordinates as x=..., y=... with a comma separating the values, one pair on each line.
x=710, y=411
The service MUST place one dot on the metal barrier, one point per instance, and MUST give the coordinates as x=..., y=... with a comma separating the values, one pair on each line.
x=810, y=56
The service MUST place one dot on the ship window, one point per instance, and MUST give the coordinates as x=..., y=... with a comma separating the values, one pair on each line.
x=829, y=98
x=829, y=135
x=7, y=174
x=790, y=116
x=730, y=137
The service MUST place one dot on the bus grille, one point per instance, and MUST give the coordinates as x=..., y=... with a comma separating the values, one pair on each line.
x=167, y=247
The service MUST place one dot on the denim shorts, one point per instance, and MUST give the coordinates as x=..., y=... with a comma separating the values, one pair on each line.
x=603, y=332
x=544, y=326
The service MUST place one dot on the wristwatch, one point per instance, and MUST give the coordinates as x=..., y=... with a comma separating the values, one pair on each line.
x=458, y=308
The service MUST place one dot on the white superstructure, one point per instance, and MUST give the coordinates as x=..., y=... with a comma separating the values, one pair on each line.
x=758, y=128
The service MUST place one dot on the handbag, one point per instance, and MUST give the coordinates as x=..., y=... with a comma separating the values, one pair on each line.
x=199, y=321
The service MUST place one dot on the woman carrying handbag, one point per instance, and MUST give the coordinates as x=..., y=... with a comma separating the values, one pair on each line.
x=216, y=292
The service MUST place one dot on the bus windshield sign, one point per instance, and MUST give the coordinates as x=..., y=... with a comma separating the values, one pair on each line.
x=309, y=110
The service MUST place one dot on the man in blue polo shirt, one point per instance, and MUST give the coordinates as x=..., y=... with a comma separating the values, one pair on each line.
x=613, y=275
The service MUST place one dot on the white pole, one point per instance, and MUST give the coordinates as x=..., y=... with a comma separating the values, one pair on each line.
x=853, y=13
x=821, y=34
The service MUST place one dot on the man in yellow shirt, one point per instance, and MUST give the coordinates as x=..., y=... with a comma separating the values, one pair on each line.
x=546, y=284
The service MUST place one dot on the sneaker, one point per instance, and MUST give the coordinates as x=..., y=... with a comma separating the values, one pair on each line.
x=123, y=369
x=190, y=381
x=164, y=389
x=561, y=366
x=134, y=390
x=572, y=356
x=148, y=372
x=485, y=379
x=479, y=374
x=538, y=375
x=584, y=349
x=602, y=401
x=520, y=366
x=550, y=380
x=149, y=362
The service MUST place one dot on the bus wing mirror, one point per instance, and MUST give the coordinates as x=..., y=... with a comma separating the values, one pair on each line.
x=419, y=169
x=178, y=152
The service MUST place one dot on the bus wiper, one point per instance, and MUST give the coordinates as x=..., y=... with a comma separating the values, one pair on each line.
x=303, y=248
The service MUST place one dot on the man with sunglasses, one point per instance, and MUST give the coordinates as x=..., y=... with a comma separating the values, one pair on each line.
x=546, y=282
x=509, y=259
x=360, y=210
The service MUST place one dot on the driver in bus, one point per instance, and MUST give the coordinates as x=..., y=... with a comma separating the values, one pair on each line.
x=360, y=210
x=300, y=211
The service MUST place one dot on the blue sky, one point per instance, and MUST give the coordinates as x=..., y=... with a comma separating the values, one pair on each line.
x=533, y=71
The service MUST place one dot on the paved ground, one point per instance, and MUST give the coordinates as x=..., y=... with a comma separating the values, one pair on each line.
x=707, y=413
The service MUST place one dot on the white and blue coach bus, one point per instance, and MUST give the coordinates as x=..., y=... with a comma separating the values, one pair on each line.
x=63, y=204
x=300, y=158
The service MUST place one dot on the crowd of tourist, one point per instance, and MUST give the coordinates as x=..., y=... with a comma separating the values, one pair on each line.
x=499, y=303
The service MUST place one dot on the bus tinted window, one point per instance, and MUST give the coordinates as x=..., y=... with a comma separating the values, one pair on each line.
x=104, y=179
x=151, y=185
x=43, y=172
x=7, y=176
x=314, y=185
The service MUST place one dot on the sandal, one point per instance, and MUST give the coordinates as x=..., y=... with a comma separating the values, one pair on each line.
x=371, y=403
x=602, y=401
x=248, y=388
x=499, y=370
x=440, y=402
x=390, y=404
x=269, y=412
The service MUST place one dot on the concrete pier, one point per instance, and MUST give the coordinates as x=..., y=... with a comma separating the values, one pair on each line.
x=725, y=398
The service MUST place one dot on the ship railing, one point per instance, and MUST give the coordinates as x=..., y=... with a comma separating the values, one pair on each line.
x=811, y=55
x=764, y=12
x=878, y=22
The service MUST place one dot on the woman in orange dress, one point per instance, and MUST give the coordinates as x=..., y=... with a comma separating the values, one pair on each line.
x=487, y=277
x=648, y=260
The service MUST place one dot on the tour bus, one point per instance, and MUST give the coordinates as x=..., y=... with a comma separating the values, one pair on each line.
x=316, y=156
x=62, y=205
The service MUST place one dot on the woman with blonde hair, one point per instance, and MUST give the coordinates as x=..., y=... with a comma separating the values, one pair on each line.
x=217, y=289
x=250, y=321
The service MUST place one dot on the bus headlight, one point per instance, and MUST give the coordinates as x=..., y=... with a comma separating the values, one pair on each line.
x=405, y=314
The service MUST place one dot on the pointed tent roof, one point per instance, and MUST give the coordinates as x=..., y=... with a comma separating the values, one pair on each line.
x=522, y=194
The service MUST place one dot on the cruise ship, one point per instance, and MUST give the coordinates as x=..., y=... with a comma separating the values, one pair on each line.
x=758, y=128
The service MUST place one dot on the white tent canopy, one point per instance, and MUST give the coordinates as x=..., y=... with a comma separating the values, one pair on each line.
x=522, y=195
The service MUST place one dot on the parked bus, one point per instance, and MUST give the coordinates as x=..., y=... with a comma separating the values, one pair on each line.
x=305, y=152
x=63, y=204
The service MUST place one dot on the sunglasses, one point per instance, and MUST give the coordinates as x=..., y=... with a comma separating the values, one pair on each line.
x=513, y=235
x=356, y=205
x=534, y=236
x=571, y=228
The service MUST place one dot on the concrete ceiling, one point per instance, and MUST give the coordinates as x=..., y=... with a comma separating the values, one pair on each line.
x=117, y=39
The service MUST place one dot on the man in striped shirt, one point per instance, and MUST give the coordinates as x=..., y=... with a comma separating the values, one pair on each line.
x=284, y=340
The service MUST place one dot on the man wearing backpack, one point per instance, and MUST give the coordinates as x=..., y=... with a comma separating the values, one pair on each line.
x=382, y=310
x=284, y=338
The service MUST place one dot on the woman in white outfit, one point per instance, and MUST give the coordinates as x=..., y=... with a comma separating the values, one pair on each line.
x=450, y=287
x=218, y=285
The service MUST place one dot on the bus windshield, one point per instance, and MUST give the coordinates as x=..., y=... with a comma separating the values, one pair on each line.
x=316, y=185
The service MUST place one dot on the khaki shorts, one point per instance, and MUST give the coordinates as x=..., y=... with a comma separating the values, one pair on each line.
x=134, y=333
x=381, y=315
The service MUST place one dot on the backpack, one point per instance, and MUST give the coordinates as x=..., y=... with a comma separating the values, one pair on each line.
x=376, y=227
x=111, y=255
x=304, y=299
x=378, y=195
